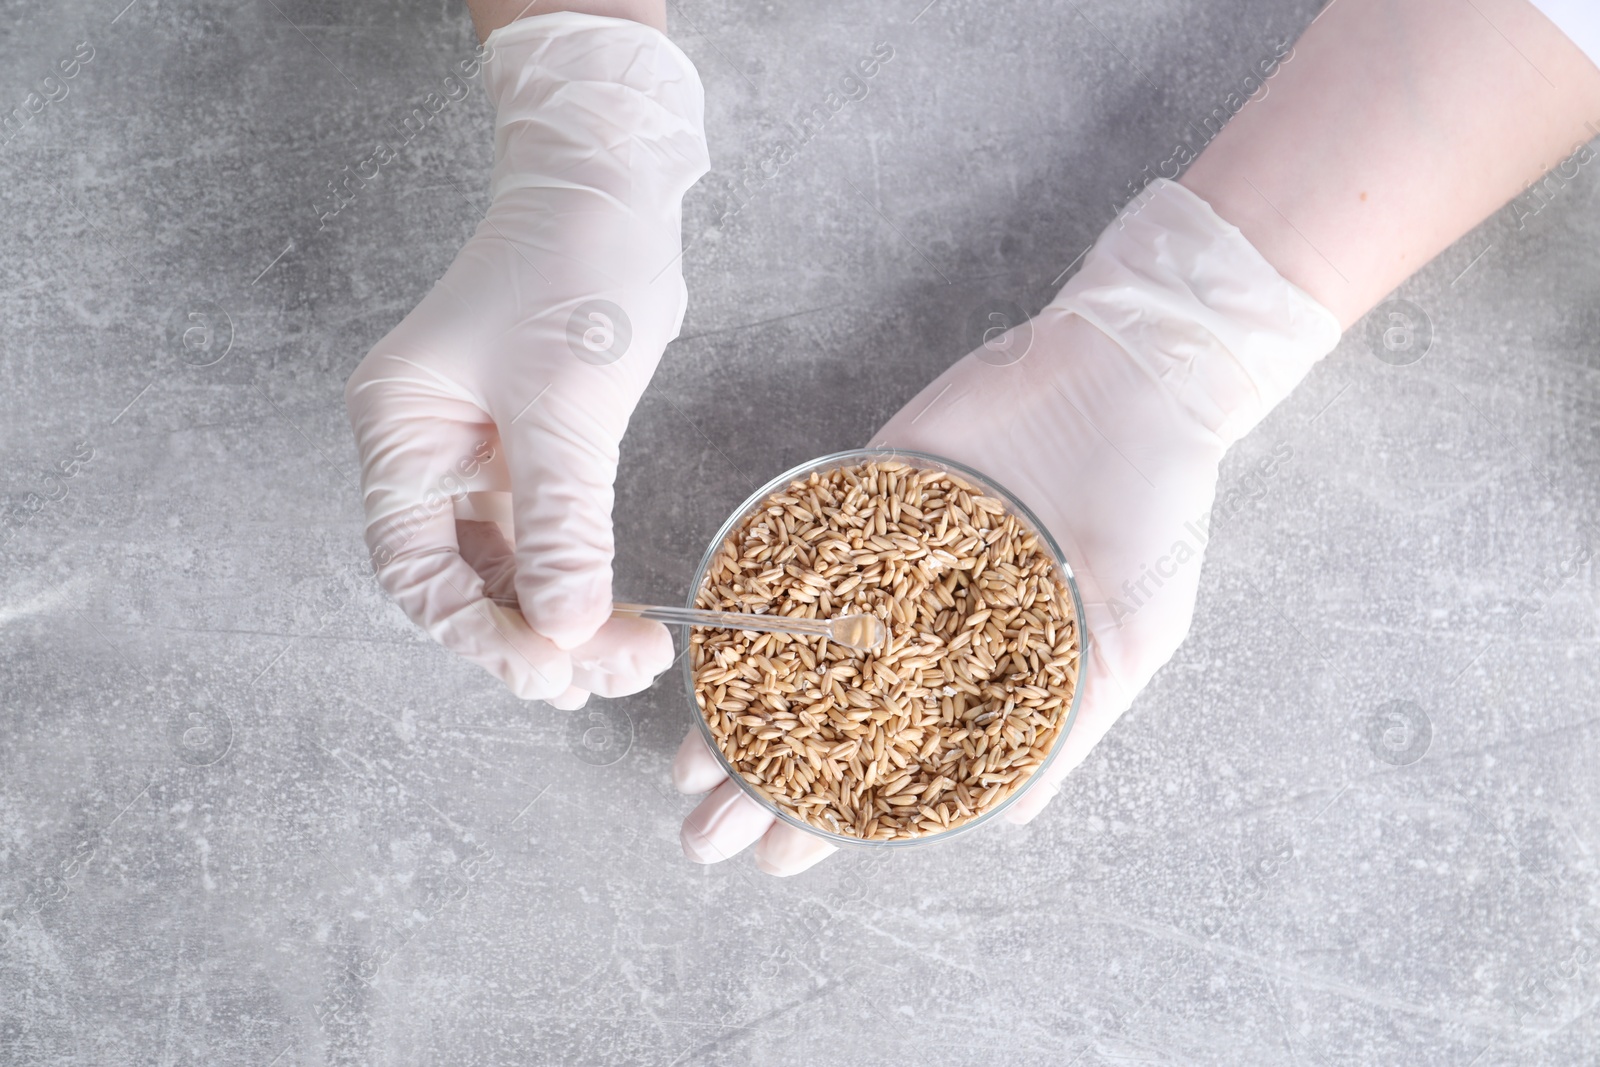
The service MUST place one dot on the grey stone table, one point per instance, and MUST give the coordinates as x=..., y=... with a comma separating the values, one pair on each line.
x=249, y=816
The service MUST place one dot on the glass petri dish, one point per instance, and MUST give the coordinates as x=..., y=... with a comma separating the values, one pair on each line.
x=924, y=460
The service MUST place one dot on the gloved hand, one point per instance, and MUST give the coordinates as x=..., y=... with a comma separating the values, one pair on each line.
x=488, y=421
x=1172, y=342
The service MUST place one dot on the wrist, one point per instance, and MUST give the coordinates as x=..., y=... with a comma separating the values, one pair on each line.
x=1199, y=309
x=491, y=15
x=591, y=104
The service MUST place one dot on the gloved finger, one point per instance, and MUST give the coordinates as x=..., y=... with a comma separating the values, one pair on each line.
x=446, y=597
x=420, y=448
x=485, y=548
x=785, y=850
x=696, y=769
x=1037, y=797
x=1104, y=700
x=571, y=700
x=623, y=657
x=725, y=823
x=562, y=457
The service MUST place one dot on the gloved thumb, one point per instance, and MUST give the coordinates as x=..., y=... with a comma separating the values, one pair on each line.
x=562, y=457
x=1105, y=697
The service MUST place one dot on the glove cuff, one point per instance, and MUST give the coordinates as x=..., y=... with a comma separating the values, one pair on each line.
x=1199, y=309
x=598, y=98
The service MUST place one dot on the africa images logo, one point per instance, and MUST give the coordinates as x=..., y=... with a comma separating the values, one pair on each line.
x=599, y=332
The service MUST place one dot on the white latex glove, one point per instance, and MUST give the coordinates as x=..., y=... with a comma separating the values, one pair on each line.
x=1173, y=341
x=488, y=421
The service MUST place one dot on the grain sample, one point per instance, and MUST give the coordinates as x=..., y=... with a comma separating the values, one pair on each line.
x=942, y=722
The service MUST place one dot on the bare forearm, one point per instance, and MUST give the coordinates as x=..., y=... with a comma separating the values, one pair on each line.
x=490, y=15
x=1398, y=126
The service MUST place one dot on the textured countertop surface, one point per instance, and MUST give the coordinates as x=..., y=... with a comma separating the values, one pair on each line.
x=250, y=816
